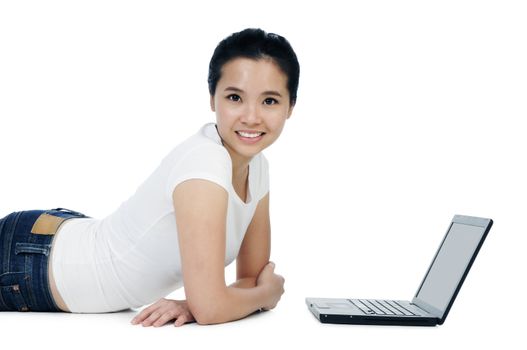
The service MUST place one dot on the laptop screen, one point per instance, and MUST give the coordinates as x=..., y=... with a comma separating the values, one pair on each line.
x=449, y=265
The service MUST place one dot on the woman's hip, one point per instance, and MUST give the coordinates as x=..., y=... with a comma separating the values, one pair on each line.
x=26, y=239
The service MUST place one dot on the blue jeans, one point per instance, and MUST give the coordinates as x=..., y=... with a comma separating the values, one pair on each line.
x=25, y=245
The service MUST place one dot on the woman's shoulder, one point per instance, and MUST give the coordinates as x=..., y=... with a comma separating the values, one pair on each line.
x=259, y=173
x=260, y=163
x=203, y=145
x=199, y=157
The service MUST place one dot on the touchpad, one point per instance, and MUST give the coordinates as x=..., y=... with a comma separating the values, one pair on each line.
x=339, y=305
x=322, y=305
x=332, y=305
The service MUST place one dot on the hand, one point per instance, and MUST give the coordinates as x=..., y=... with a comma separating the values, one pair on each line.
x=273, y=283
x=164, y=311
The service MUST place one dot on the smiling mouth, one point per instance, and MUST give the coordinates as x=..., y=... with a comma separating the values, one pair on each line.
x=250, y=135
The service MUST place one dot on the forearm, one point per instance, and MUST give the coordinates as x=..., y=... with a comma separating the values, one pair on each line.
x=248, y=282
x=236, y=302
x=218, y=303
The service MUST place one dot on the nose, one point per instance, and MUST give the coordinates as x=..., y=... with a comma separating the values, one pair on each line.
x=251, y=114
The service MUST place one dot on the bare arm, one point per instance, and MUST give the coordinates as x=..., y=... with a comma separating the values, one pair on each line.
x=256, y=247
x=252, y=265
x=201, y=209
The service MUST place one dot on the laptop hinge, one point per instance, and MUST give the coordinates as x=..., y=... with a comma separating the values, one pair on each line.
x=426, y=308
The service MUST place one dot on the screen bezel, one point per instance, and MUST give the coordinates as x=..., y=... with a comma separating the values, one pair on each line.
x=486, y=224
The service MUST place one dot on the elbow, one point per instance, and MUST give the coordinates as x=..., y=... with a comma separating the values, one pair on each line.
x=205, y=313
x=201, y=315
x=205, y=320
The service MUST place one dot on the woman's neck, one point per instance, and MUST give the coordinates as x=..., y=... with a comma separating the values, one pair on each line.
x=240, y=164
x=240, y=167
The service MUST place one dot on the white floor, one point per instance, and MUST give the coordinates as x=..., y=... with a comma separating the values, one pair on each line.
x=472, y=323
x=289, y=325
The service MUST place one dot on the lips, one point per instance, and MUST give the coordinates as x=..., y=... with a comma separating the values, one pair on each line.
x=250, y=136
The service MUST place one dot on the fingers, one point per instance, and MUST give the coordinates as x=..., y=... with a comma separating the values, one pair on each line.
x=269, y=268
x=165, y=316
x=181, y=320
x=147, y=312
x=161, y=313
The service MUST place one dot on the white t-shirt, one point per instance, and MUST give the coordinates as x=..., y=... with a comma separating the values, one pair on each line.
x=131, y=257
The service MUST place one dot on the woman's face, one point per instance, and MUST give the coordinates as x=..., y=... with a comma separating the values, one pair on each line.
x=251, y=104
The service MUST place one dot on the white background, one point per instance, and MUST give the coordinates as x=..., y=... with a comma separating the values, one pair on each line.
x=408, y=112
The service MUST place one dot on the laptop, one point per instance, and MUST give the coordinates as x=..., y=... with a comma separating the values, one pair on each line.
x=435, y=295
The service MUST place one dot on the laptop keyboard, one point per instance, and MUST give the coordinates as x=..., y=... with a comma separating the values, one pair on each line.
x=381, y=307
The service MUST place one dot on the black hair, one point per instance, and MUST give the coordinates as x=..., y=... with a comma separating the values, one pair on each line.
x=256, y=44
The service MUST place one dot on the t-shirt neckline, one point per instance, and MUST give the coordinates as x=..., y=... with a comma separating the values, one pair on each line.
x=211, y=131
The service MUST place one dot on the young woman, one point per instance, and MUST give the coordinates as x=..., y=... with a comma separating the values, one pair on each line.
x=206, y=204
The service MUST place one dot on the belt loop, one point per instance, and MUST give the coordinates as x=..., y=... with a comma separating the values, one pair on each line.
x=65, y=210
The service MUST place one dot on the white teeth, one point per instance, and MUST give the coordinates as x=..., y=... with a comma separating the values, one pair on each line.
x=250, y=135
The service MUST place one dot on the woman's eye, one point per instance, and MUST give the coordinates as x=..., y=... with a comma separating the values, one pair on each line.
x=234, y=97
x=270, y=101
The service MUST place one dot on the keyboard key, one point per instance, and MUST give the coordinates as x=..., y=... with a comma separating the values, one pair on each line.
x=373, y=307
x=387, y=309
x=361, y=306
x=381, y=307
x=404, y=310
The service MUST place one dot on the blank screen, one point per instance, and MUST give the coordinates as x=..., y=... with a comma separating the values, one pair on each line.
x=450, y=264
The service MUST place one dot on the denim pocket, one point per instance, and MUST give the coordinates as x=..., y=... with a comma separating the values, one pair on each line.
x=11, y=292
x=17, y=292
x=32, y=248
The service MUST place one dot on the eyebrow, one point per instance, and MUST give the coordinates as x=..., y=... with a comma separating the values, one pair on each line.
x=272, y=93
x=232, y=88
x=269, y=92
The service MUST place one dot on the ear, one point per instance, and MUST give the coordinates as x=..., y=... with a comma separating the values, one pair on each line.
x=212, y=106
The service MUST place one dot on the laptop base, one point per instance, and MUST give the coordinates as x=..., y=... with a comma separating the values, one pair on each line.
x=342, y=311
x=378, y=321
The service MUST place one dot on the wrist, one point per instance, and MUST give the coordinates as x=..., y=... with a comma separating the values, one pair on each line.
x=246, y=282
x=248, y=299
x=265, y=295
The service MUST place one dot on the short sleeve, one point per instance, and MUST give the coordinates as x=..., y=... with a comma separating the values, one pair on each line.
x=207, y=161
